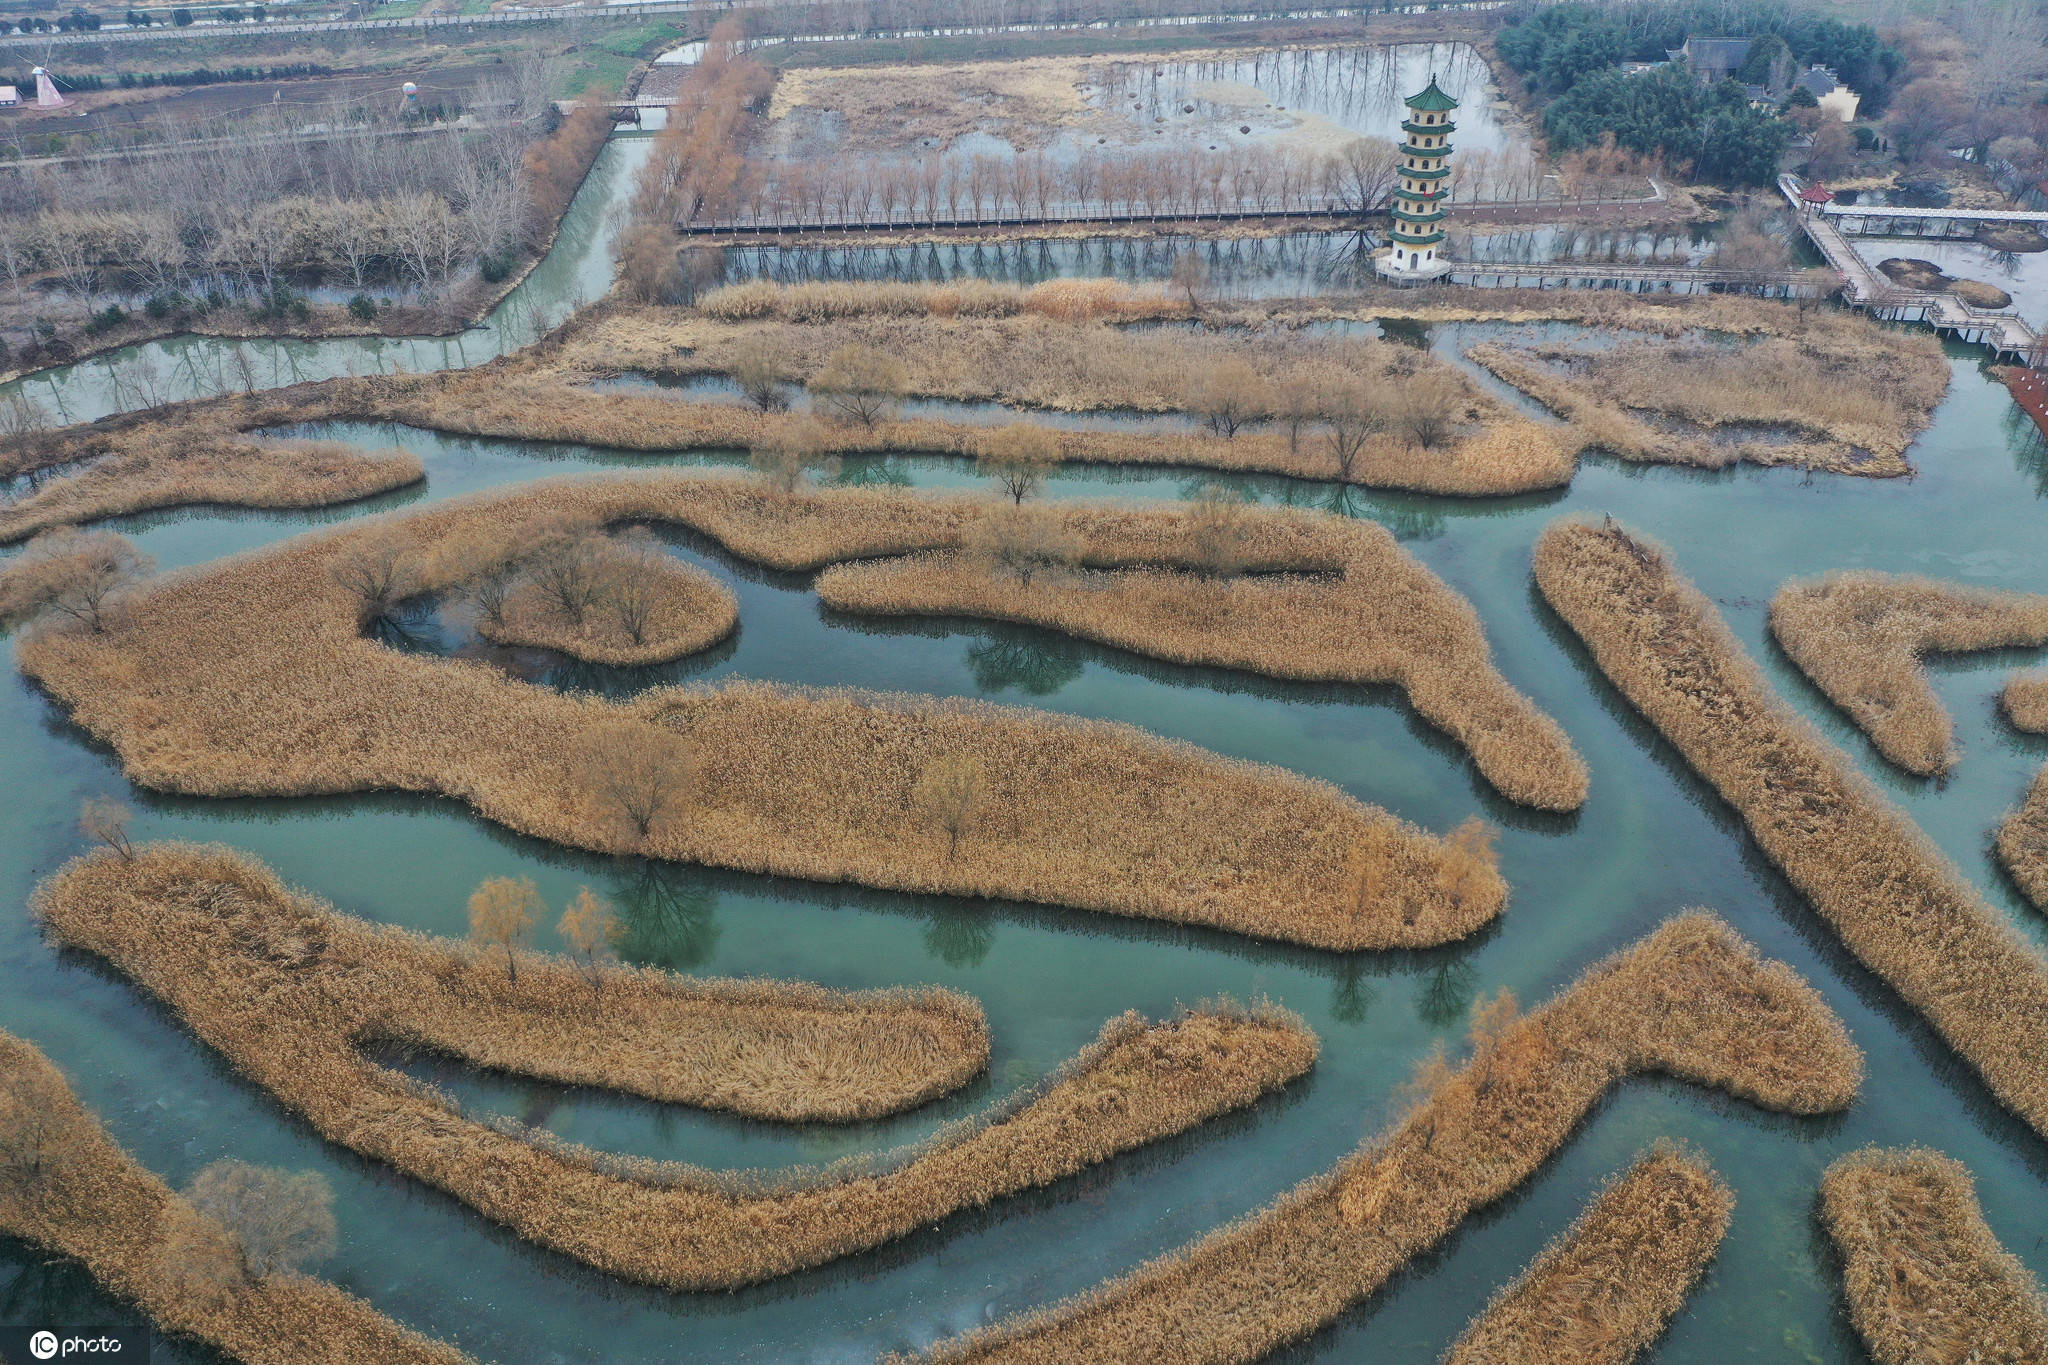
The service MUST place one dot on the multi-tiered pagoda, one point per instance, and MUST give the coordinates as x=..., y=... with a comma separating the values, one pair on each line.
x=1419, y=198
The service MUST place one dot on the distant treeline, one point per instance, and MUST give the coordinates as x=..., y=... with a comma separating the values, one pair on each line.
x=1572, y=56
x=1556, y=45
x=85, y=21
x=143, y=80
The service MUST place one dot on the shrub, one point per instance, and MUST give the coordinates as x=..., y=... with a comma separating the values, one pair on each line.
x=362, y=307
x=108, y=318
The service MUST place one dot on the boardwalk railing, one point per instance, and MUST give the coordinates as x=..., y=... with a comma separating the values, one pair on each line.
x=1867, y=288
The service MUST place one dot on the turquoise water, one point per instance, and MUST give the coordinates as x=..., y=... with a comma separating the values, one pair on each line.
x=1651, y=840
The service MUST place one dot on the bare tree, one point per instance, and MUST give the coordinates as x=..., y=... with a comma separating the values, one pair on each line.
x=757, y=368
x=1350, y=413
x=199, y=1256
x=566, y=564
x=948, y=792
x=859, y=384
x=641, y=774
x=1227, y=394
x=1362, y=173
x=21, y=416
x=502, y=912
x=590, y=929
x=1216, y=533
x=1298, y=401
x=84, y=576
x=380, y=568
x=2007, y=46
x=1493, y=1020
x=1427, y=407
x=1749, y=248
x=1922, y=116
x=1023, y=541
x=34, y=1132
x=104, y=820
x=633, y=573
x=280, y=1220
x=1190, y=277
x=791, y=454
x=1018, y=457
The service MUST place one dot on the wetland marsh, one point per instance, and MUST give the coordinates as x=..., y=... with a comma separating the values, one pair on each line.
x=1651, y=840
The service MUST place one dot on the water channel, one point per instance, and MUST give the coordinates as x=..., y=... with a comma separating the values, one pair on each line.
x=1651, y=840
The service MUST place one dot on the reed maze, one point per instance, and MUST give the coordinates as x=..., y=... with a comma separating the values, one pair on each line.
x=290, y=671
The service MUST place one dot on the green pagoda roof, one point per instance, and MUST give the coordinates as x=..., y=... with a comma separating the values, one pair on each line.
x=1432, y=99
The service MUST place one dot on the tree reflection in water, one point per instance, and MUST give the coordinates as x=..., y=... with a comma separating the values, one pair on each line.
x=2029, y=447
x=666, y=917
x=1352, y=995
x=960, y=935
x=1036, y=666
x=1447, y=993
x=36, y=1287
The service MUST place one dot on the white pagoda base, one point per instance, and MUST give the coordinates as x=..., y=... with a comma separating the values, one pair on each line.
x=1433, y=268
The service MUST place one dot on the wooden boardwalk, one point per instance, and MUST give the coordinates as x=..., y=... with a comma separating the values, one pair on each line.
x=1865, y=287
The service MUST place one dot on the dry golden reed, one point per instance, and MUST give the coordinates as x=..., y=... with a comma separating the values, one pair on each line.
x=1692, y=1000
x=182, y=465
x=1606, y=1287
x=2022, y=839
x=250, y=676
x=1867, y=869
x=1508, y=458
x=1860, y=637
x=816, y=301
x=96, y=1203
x=1925, y=1277
x=787, y=1051
x=243, y=962
x=1359, y=609
x=1847, y=405
x=680, y=609
x=2024, y=700
x=2022, y=842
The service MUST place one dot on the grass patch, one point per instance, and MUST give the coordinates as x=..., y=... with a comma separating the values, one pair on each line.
x=1062, y=346
x=251, y=675
x=149, y=469
x=1896, y=901
x=1846, y=403
x=2024, y=699
x=647, y=608
x=196, y=928
x=1605, y=1289
x=1375, y=616
x=94, y=1202
x=1860, y=637
x=1692, y=1000
x=1925, y=1277
x=785, y=1051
